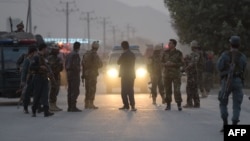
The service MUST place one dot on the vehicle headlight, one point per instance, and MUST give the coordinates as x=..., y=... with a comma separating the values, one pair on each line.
x=141, y=72
x=112, y=72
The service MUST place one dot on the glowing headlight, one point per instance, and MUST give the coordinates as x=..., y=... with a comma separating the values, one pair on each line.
x=112, y=72
x=141, y=72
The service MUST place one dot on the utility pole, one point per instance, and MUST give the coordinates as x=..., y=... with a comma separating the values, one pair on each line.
x=30, y=17
x=133, y=32
x=114, y=29
x=67, y=12
x=128, y=31
x=88, y=19
x=104, y=22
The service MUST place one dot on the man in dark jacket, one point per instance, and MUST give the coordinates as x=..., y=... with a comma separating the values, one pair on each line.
x=127, y=74
x=72, y=66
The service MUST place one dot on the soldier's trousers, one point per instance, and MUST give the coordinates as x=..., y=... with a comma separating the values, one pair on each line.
x=90, y=87
x=236, y=90
x=200, y=81
x=40, y=91
x=207, y=81
x=193, y=98
x=54, y=90
x=157, y=82
x=127, y=91
x=176, y=81
x=27, y=93
x=73, y=90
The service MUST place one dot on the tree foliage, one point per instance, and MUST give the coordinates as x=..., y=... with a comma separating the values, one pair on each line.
x=211, y=22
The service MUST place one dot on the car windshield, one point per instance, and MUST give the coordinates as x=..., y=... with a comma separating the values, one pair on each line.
x=11, y=55
x=114, y=58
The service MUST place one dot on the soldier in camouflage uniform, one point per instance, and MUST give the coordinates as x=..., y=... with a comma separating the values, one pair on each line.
x=155, y=70
x=56, y=65
x=91, y=62
x=172, y=60
x=40, y=81
x=200, y=70
x=190, y=67
x=72, y=65
x=20, y=27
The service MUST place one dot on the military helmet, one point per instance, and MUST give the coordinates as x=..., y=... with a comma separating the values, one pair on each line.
x=158, y=47
x=234, y=40
x=20, y=25
x=95, y=45
x=194, y=43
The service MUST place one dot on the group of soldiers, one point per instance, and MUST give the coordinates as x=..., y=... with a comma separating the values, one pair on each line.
x=40, y=77
x=166, y=68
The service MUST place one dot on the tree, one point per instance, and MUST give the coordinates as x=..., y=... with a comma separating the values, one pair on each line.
x=211, y=22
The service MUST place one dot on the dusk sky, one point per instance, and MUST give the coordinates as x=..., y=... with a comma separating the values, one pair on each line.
x=50, y=22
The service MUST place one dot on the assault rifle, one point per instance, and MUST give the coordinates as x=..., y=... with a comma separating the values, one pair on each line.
x=228, y=80
x=51, y=74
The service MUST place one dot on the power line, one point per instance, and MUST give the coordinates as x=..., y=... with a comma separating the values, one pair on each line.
x=88, y=18
x=67, y=11
x=104, y=22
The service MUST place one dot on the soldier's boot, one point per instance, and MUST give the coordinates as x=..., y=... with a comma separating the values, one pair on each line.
x=47, y=113
x=203, y=94
x=33, y=112
x=235, y=122
x=197, y=105
x=74, y=108
x=40, y=109
x=168, y=108
x=179, y=106
x=69, y=106
x=25, y=109
x=86, y=104
x=91, y=105
x=163, y=99
x=154, y=100
x=53, y=107
x=225, y=122
x=188, y=106
x=58, y=109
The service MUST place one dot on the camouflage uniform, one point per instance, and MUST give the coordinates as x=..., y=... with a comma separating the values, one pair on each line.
x=172, y=75
x=91, y=62
x=193, y=99
x=155, y=70
x=72, y=65
x=56, y=66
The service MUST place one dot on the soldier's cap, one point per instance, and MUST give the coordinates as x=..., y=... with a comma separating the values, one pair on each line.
x=234, y=40
x=20, y=24
x=194, y=43
x=95, y=45
x=158, y=47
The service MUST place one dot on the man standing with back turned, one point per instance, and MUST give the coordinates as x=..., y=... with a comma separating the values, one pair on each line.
x=127, y=74
x=231, y=66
